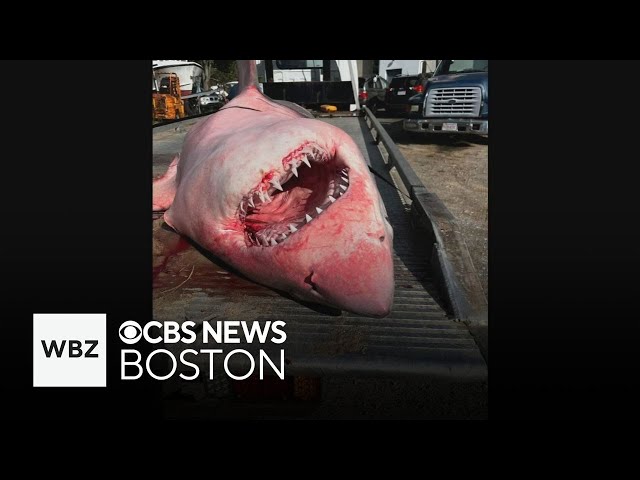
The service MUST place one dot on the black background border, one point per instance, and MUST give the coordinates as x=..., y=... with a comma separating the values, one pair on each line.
x=564, y=246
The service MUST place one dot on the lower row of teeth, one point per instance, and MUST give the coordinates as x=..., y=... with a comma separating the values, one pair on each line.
x=270, y=238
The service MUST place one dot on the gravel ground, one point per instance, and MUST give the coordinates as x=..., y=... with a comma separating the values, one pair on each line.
x=454, y=168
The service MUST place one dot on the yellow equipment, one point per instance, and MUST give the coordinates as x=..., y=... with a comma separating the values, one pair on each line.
x=328, y=108
x=167, y=102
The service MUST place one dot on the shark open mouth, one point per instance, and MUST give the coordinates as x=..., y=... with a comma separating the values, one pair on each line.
x=286, y=201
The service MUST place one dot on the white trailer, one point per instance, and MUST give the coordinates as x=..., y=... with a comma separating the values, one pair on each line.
x=286, y=73
x=390, y=68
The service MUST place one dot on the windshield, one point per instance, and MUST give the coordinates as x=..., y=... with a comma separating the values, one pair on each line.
x=298, y=64
x=462, y=66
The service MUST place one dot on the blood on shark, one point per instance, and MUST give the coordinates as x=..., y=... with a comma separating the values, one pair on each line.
x=285, y=199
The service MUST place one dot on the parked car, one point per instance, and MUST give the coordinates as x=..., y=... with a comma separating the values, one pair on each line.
x=401, y=88
x=212, y=102
x=372, y=92
x=455, y=100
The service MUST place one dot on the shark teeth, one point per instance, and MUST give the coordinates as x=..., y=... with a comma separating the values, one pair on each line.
x=271, y=235
x=276, y=183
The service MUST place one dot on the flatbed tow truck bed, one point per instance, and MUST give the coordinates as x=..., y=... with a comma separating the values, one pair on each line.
x=421, y=338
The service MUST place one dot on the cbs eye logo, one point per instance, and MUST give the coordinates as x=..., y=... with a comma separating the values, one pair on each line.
x=130, y=332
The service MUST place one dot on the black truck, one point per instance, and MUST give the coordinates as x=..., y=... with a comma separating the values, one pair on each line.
x=455, y=100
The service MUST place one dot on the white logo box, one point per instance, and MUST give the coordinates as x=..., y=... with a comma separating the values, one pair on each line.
x=67, y=366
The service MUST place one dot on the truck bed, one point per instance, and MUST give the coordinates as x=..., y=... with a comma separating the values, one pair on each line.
x=418, y=338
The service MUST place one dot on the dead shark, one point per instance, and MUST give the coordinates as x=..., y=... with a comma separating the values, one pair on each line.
x=285, y=199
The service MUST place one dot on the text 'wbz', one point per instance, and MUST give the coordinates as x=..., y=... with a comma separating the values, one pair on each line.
x=219, y=332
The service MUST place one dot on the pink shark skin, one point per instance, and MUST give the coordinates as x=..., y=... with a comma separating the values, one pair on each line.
x=342, y=258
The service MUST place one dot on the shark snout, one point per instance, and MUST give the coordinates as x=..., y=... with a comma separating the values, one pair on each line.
x=361, y=282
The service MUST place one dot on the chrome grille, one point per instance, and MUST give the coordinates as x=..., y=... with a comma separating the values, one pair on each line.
x=459, y=102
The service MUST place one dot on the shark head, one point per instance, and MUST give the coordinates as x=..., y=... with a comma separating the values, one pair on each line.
x=289, y=202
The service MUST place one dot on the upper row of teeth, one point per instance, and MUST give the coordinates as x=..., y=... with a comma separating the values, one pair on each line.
x=266, y=239
x=293, y=165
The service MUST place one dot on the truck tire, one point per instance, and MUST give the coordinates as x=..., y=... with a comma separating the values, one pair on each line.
x=187, y=108
x=374, y=107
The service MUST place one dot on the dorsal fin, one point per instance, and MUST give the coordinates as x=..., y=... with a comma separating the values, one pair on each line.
x=247, y=74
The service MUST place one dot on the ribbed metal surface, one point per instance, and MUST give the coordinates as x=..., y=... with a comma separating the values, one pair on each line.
x=459, y=102
x=417, y=338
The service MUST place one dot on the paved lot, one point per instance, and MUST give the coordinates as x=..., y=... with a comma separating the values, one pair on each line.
x=455, y=168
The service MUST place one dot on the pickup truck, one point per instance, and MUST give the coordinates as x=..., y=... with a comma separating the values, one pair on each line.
x=456, y=100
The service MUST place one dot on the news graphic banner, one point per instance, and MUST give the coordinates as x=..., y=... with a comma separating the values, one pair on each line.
x=69, y=350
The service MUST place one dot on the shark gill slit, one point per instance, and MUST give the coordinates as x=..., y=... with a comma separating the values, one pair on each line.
x=309, y=182
x=309, y=280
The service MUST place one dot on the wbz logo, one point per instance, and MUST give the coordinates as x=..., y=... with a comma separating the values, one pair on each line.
x=74, y=351
x=69, y=350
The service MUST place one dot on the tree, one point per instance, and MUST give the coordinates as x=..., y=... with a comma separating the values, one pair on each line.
x=218, y=71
